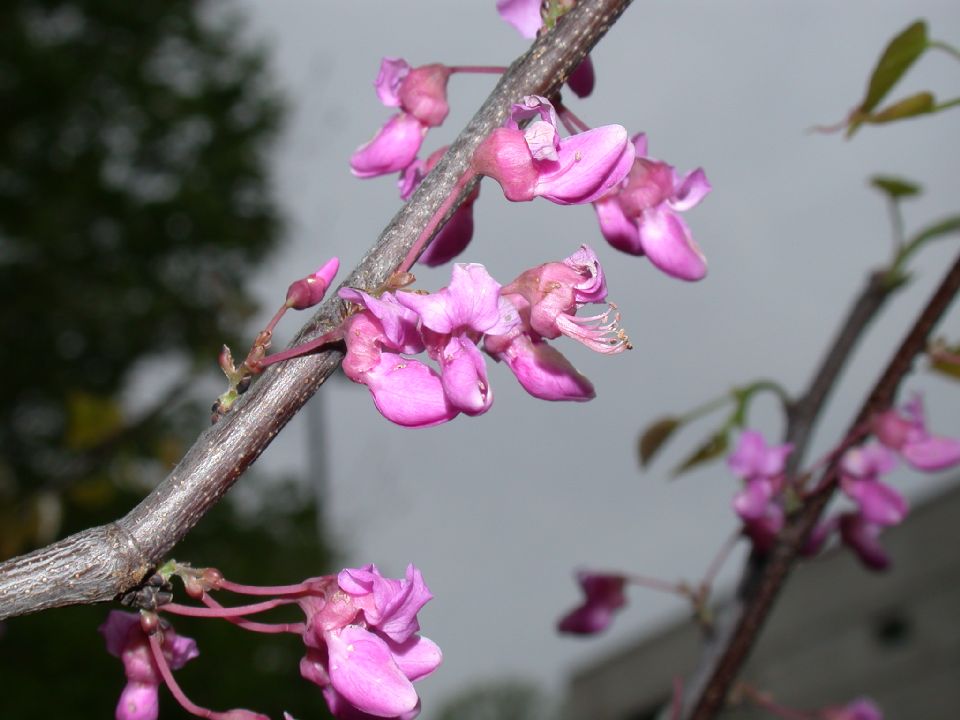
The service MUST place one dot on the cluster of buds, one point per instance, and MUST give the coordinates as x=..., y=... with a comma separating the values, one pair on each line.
x=512, y=323
x=360, y=629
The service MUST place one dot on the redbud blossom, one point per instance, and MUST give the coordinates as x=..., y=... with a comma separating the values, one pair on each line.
x=453, y=320
x=404, y=390
x=906, y=433
x=859, y=709
x=603, y=597
x=642, y=215
x=126, y=640
x=537, y=162
x=860, y=471
x=308, y=291
x=363, y=649
x=760, y=503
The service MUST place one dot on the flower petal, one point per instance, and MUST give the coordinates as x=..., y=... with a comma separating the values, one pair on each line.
x=408, y=393
x=470, y=301
x=417, y=657
x=392, y=149
x=864, y=538
x=524, y=15
x=138, y=701
x=392, y=72
x=582, y=80
x=463, y=373
x=363, y=670
x=452, y=239
x=544, y=372
x=589, y=164
x=667, y=242
x=932, y=453
x=691, y=190
x=619, y=230
x=879, y=503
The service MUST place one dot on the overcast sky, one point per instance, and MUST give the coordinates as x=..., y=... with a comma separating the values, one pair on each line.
x=499, y=510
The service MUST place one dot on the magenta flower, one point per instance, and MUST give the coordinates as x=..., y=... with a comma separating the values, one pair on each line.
x=542, y=304
x=525, y=16
x=760, y=503
x=456, y=233
x=126, y=640
x=453, y=320
x=906, y=433
x=363, y=649
x=603, y=597
x=421, y=95
x=860, y=471
x=405, y=391
x=537, y=162
x=863, y=537
x=642, y=215
x=859, y=709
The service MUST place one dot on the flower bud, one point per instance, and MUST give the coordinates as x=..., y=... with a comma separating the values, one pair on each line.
x=308, y=291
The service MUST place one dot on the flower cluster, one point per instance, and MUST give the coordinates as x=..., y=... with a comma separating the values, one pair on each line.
x=512, y=323
x=360, y=631
x=760, y=503
x=878, y=505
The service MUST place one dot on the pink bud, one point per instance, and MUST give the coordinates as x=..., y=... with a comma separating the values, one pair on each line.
x=423, y=94
x=308, y=291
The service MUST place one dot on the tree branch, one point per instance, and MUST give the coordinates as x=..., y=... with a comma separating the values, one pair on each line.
x=764, y=577
x=103, y=562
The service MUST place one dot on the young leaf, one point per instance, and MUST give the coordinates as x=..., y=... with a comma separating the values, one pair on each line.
x=919, y=104
x=895, y=187
x=715, y=446
x=946, y=363
x=896, y=59
x=654, y=437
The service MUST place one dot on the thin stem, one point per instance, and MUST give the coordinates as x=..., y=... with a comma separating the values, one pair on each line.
x=434, y=223
x=478, y=69
x=295, y=628
x=718, y=560
x=706, y=408
x=225, y=612
x=946, y=105
x=275, y=319
x=676, y=705
x=306, y=348
x=270, y=590
x=161, y=662
x=949, y=49
x=660, y=585
x=566, y=114
x=896, y=226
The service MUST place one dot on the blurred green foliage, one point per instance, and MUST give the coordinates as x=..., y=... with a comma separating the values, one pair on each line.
x=135, y=203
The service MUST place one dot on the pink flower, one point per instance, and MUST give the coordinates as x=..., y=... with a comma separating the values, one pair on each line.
x=603, y=597
x=453, y=321
x=863, y=537
x=642, y=215
x=860, y=471
x=456, y=233
x=906, y=433
x=859, y=709
x=760, y=503
x=405, y=391
x=526, y=17
x=362, y=643
x=421, y=95
x=126, y=640
x=542, y=304
x=537, y=162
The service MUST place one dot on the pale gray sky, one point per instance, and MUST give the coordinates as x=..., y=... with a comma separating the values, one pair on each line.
x=499, y=510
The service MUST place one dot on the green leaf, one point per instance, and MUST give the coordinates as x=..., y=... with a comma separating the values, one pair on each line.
x=919, y=104
x=654, y=436
x=931, y=232
x=714, y=446
x=895, y=187
x=945, y=362
x=896, y=59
